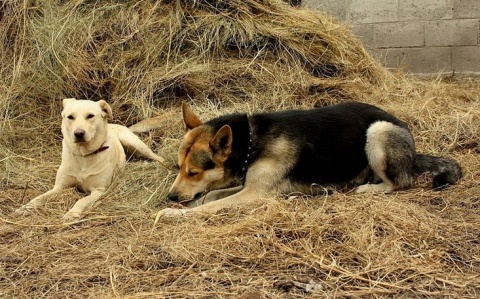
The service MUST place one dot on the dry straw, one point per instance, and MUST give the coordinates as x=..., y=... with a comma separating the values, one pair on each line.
x=144, y=57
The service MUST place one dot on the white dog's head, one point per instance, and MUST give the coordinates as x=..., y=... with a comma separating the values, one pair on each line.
x=84, y=123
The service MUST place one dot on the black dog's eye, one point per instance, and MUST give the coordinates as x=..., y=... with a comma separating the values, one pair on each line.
x=71, y=117
x=90, y=116
x=192, y=173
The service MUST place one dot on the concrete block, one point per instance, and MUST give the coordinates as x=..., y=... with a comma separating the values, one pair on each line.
x=399, y=35
x=417, y=60
x=365, y=33
x=466, y=59
x=451, y=33
x=335, y=8
x=464, y=9
x=424, y=10
x=373, y=11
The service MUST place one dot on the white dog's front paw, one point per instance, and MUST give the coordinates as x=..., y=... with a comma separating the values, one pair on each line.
x=169, y=212
x=71, y=216
x=25, y=210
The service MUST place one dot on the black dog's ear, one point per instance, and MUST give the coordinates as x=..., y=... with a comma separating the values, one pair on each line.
x=190, y=119
x=222, y=141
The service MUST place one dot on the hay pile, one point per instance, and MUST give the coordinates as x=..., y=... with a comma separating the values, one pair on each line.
x=146, y=56
x=152, y=53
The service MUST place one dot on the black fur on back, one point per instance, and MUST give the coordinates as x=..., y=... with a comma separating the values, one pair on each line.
x=330, y=140
x=328, y=143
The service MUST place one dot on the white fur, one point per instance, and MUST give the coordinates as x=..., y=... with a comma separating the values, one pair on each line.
x=81, y=165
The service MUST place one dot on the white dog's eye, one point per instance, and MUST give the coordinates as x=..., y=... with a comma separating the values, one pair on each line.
x=71, y=117
x=90, y=116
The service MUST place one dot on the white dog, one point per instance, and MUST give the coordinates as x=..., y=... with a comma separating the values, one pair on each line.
x=92, y=152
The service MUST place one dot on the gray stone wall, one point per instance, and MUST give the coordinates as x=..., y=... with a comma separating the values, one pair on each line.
x=419, y=36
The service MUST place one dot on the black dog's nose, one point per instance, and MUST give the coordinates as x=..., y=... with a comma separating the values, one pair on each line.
x=79, y=134
x=173, y=197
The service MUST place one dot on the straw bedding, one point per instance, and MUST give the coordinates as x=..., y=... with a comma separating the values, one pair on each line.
x=145, y=57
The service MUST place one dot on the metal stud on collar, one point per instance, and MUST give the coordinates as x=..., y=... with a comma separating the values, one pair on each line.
x=250, y=143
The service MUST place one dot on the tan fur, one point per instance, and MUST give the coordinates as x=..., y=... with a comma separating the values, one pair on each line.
x=272, y=159
x=198, y=139
x=190, y=118
x=81, y=165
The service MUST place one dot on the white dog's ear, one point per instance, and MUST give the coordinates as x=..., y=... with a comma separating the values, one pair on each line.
x=107, y=110
x=189, y=117
x=68, y=100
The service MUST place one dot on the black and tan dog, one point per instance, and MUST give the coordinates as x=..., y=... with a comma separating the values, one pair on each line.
x=297, y=151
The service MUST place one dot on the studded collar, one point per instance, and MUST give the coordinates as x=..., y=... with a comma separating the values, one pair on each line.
x=249, y=156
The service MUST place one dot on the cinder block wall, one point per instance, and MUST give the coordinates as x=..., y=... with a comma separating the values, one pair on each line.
x=420, y=36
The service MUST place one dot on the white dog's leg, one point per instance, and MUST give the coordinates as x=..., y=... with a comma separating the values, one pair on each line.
x=133, y=144
x=83, y=204
x=31, y=206
x=143, y=150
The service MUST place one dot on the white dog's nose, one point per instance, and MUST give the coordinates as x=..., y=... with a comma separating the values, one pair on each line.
x=79, y=134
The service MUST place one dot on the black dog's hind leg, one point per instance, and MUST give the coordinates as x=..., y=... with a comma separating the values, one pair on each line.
x=390, y=150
